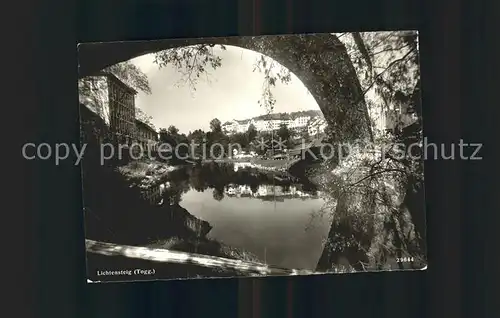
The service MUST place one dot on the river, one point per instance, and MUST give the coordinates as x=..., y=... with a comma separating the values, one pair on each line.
x=274, y=218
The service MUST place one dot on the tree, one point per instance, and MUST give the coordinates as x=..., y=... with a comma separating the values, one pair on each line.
x=284, y=134
x=130, y=75
x=191, y=61
x=388, y=71
x=251, y=132
x=172, y=130
x=142, y=116
x=167, y=137
x=215, y=125
x=240, y=139
x=218, y=194
x=387, y=66
x=172, y=137
x=197, y=136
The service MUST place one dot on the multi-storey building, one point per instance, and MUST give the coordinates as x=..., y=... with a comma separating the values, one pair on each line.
x=113, y=101
x=299, y=122
x=261, y=125
x=122, y=109
x=229, y=127
x=146, y=136
x=242, y=125
x=269, y=122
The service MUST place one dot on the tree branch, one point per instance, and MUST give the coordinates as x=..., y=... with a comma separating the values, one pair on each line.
x=386, y=69
x=377, y=173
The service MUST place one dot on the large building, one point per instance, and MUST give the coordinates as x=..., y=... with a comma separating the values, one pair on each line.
x=114, y=101
x=297, y=120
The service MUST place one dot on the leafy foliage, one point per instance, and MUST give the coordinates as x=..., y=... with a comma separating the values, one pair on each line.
x=130, y=75
x=142, y=116
x=284, y=134
x=215, y=125
x=192, y=61
x=376, y=195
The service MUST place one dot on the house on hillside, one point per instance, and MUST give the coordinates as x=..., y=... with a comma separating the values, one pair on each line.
x=242, y=125
x=274, y=121
x=229, y=127
x=299, y=122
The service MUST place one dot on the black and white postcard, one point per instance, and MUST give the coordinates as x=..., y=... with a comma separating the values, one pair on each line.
x=252, y=156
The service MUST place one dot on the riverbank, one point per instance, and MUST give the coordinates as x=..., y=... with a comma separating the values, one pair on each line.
x=145, y=173
x=124, y=217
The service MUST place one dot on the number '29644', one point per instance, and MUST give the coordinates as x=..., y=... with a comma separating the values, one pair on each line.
x=405, y=259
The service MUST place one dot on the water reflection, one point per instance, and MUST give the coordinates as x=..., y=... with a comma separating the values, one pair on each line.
x=226, y=180
x=260, y=212
x=270, y=192
x=273, y=230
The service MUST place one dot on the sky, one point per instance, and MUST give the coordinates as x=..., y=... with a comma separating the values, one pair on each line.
x=231, y=92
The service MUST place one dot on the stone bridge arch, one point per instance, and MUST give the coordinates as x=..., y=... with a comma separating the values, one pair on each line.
x=320, y=61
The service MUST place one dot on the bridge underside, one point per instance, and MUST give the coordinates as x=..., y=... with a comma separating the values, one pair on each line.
x=320, y=61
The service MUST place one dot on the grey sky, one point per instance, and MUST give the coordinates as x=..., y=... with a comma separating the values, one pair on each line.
x=232, y=92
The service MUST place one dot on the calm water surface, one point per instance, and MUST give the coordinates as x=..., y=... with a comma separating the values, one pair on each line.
x=272, y=217
x=279, y=230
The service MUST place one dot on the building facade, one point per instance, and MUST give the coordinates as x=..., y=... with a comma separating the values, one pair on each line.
x=229, y=127
x=268, y=123
x=299, y=122
x=113, y=101
x=146, y=136
x=122, y=109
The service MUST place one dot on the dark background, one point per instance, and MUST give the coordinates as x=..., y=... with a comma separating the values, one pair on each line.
x=459, y=95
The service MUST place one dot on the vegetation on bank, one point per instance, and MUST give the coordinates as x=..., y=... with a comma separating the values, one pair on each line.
x=145, y=173
x=122, y=216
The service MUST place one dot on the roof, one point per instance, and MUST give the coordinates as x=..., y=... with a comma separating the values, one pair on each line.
x=144, y=125
x=245, y=121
